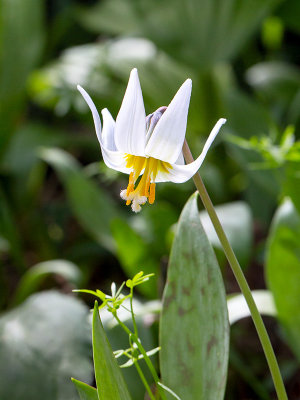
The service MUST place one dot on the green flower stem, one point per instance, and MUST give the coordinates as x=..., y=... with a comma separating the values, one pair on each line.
x=143, y=352
x=235, y=266
x=142, y=376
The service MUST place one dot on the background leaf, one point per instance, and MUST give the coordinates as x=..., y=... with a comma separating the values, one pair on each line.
x=43, y=343
x=194, y=39
x=93, y=208
x=194, y=333
x=21, y=38
x=238, y=308
x=135, y=255
x=283, y=270
x=236, y=220
x=36, y=274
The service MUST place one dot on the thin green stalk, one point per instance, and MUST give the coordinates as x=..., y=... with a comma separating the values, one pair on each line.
x=143, y=352
x=235, y=266
x=132, y=313
x=142, y=376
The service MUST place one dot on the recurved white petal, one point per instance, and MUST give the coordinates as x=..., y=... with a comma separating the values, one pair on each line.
x=94, y=111
x=130, y=129
x=167, y=138
x=108, y=130
x=182, y=173
x=113, y=159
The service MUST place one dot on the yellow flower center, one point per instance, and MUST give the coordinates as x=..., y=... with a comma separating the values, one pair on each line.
x=145, y=189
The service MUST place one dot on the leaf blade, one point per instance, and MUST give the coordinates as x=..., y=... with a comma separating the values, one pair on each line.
x=197, y=367
x=86, y=392
x=109, y=379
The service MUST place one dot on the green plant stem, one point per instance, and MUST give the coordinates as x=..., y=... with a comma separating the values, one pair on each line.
x=132, y=313
x=142, y=376
x=235, y=266
x=143, y=352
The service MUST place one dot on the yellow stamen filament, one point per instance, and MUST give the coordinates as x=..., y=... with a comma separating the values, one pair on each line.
x=145, y=189
x=152, y=193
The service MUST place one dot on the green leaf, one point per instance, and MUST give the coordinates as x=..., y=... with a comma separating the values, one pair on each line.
x=31, y=280
x=194, y=329
x=283, y=270
x=236, y=220
x=93, y=208
x=109, y=378
x=85, y=391
x=43, y=343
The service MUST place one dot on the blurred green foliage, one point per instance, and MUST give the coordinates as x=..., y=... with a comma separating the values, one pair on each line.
x=58, y=201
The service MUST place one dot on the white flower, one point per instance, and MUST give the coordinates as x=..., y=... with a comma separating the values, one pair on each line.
x=149, y=146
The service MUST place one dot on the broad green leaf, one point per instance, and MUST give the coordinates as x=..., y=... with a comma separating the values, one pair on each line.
x=283, y=270
x=236, y=220
x=238, y=308
x=194, y=331
x=31, y=280
x=85, y=391
x=44, y=342
x=93, y=207
x=109, y=378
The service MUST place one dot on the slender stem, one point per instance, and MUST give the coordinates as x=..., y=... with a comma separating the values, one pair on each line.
x=143, y=352
x=142, y=376
x=234, y=264
x=132, y=313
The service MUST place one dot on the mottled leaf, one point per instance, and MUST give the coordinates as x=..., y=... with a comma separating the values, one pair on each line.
x=194, y=329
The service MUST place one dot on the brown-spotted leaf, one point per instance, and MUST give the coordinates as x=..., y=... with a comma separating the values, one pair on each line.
x=194, y=330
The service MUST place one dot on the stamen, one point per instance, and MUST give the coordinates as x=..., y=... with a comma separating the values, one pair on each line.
x=152, y=193
x=131, y=177
x=145, y=189
x=130, y=188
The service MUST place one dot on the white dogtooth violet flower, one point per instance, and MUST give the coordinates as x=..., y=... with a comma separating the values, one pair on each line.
x=149, y=146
